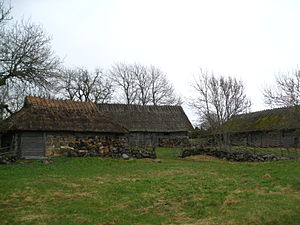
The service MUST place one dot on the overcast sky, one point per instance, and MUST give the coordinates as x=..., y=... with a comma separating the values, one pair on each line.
x=249, y=39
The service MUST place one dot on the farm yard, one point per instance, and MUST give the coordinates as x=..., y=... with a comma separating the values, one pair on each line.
x=166, y=190
x=103, y=122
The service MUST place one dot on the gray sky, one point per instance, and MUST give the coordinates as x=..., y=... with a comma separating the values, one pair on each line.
x=251, y=40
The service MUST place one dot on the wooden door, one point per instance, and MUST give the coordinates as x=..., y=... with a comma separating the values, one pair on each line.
x=32, y=144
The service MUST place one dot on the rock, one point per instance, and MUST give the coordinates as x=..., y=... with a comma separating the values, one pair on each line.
x=4, y=162
x=66, y=148
x=47, y=161
x=157, y=161
x=25, y=162
x=83, y=151
x=125, y=156
x=284, y=158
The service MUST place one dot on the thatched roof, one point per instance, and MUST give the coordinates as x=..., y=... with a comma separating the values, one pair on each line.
x=148, y=118
x=266, y=120
x=42, y=114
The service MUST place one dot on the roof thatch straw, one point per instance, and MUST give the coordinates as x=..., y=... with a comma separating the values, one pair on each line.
x=42, y=114
x=139, y=118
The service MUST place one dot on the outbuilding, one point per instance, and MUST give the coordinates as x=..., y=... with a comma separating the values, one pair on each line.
x=149, y=125
x=278, y=127
x=46, y=127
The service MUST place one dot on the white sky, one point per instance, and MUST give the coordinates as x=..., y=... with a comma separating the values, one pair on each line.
x=249, y=39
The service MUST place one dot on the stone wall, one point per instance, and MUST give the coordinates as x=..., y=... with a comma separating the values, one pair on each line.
x=58, y=144
x=81, y=145
x=240, y=155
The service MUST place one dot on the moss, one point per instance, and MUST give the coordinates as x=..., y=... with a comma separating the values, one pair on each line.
x=267, y=122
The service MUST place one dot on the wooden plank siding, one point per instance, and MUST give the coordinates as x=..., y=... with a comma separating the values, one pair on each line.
x=32, y=144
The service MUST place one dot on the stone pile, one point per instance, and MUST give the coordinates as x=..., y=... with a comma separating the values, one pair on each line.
x=240, y=155
x=96, y=145
x=124, y=153
x=7, y=158
x=62, y=145
x=173, y=142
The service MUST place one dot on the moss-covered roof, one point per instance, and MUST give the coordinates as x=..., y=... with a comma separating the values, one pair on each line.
x=271, y=119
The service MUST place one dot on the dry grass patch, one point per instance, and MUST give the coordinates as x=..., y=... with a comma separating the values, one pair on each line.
x=267, y=176
x=32, y=217
x=82, y=220
x=71, y=185
x=231, y=202
x=183, y=218
x=6, y=203
x=57, y=194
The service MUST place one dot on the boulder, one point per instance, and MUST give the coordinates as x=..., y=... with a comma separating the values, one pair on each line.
x=125, y=156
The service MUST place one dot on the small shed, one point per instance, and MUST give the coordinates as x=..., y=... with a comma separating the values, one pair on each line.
x=278, y=127
x=43, y=127
x=166, y=126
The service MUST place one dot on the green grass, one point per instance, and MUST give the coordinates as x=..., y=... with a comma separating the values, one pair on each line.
x=195, y=190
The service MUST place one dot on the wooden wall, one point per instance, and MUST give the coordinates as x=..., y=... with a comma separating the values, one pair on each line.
x=152, y=138
x=281, y=138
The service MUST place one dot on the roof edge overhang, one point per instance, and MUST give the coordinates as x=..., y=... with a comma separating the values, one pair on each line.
x=160, y=131
x=48, y=130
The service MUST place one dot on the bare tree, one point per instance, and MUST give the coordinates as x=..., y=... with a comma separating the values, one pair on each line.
x=218, y=98
x=81, y=85
x=4, y=12
x=286, y=92
x=25, y=57
x=3, y=100
x=143, y=85
x=121, y=74
x=162, y=91
x=25, y=54
x=13, y=93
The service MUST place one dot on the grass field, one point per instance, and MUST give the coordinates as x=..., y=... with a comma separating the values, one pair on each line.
x=195, y=190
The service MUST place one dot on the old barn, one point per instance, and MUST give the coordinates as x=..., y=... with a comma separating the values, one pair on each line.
x=46, y=127
x=268, y=128
x=151, y=125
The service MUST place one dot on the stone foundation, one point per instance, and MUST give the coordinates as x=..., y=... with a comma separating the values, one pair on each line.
x=61, y=144
x=124, y=153
x=100, y=146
